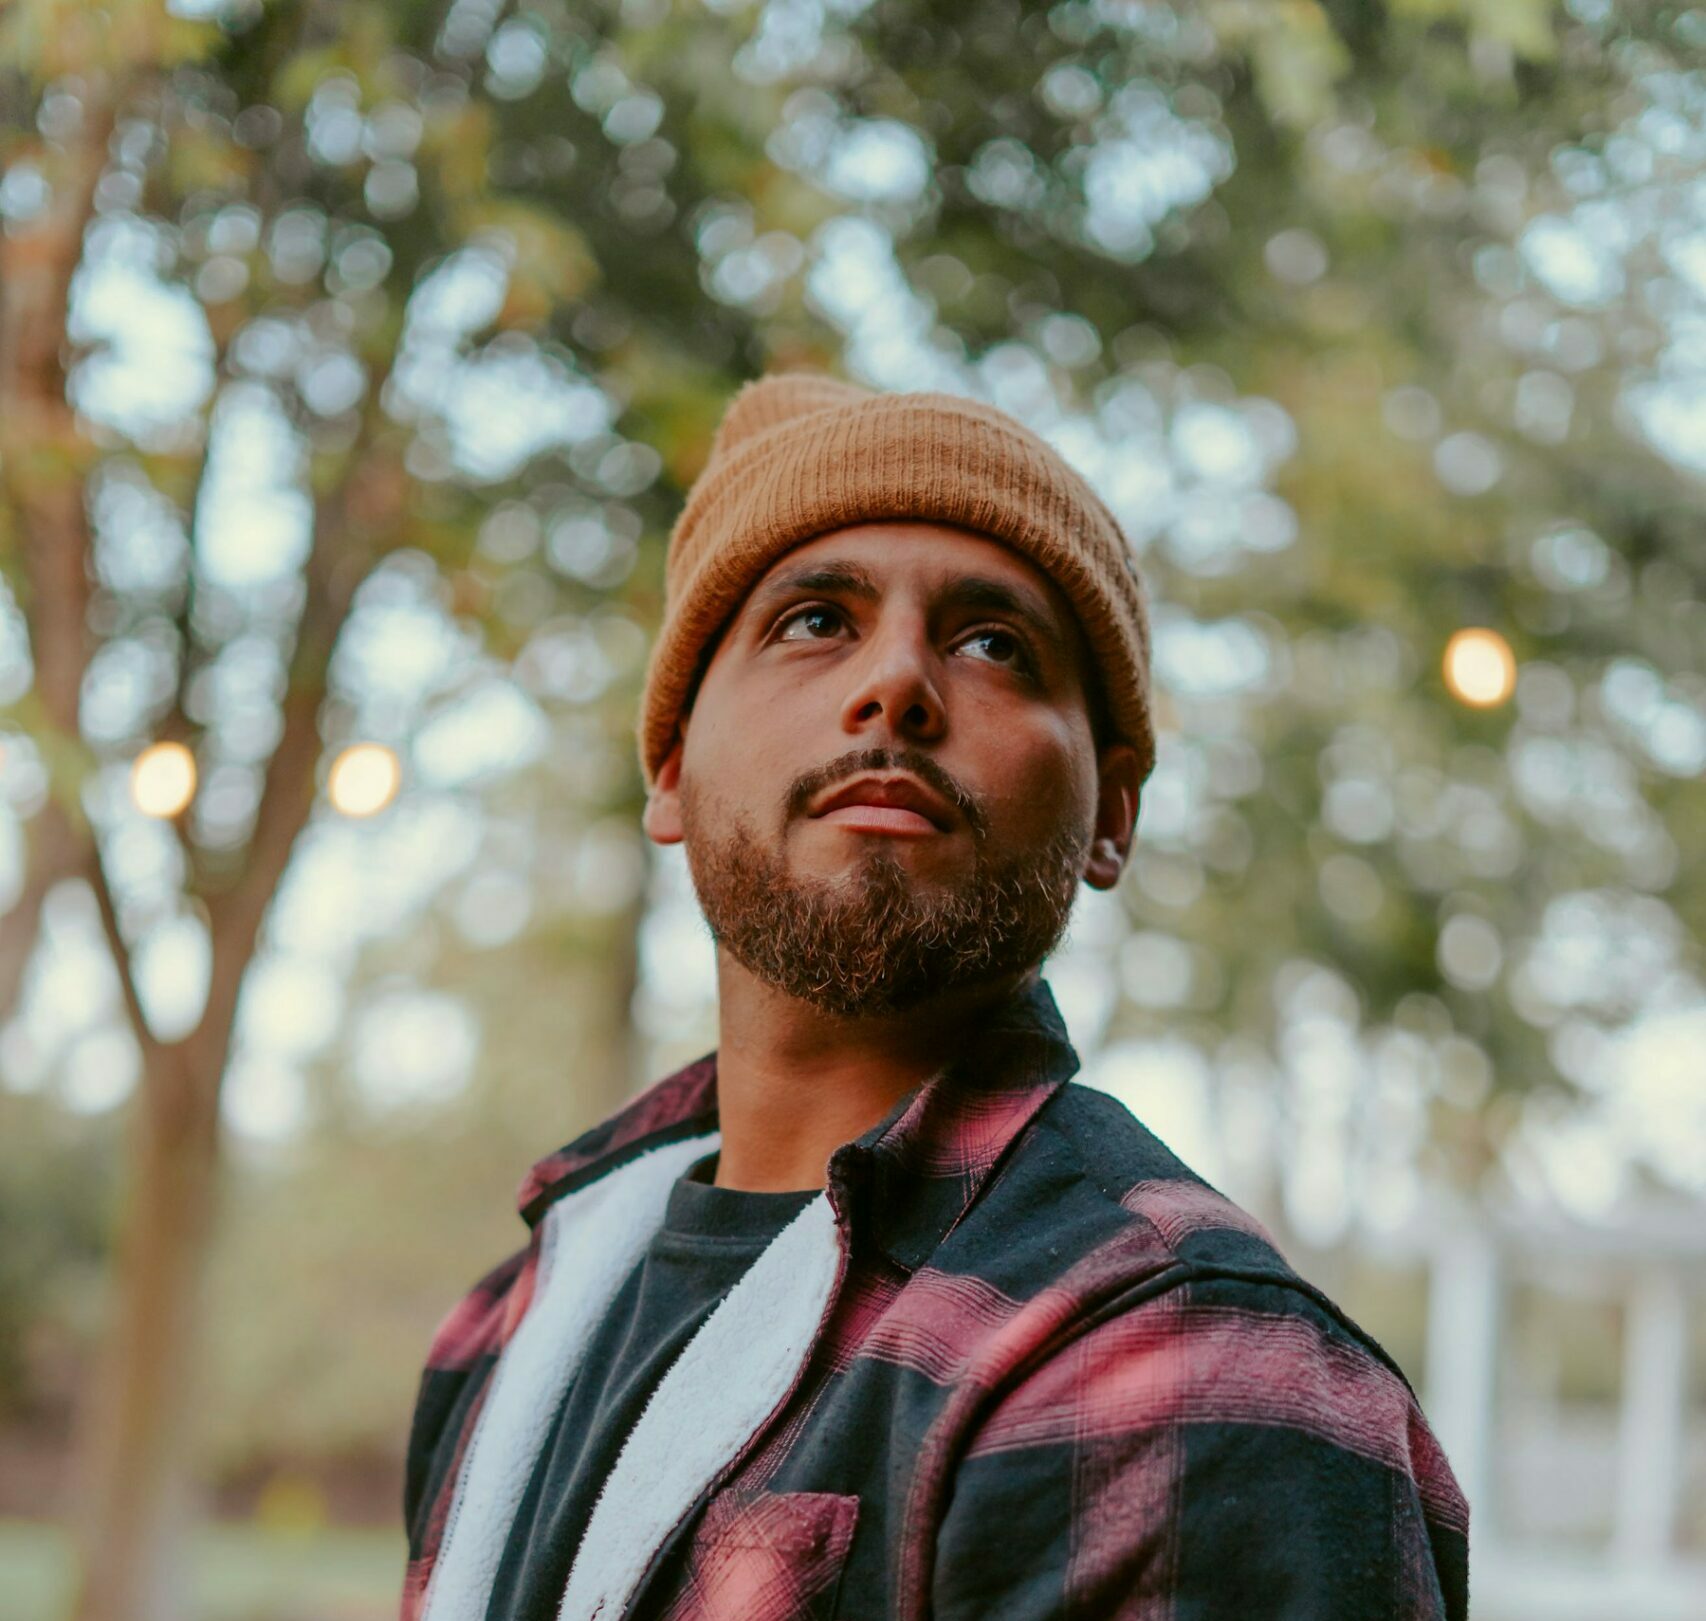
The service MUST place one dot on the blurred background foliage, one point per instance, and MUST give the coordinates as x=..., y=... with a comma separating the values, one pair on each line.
x=353, y=362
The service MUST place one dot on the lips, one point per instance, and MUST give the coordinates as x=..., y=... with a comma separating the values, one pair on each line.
x=889, y=792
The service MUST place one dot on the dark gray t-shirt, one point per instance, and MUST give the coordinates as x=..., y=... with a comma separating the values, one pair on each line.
x=709, y=1237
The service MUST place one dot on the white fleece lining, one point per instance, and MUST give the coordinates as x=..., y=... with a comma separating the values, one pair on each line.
x=592, y=1239
x=716, y=1394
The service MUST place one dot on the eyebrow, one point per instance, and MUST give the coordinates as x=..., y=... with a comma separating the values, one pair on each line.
x=962, y=591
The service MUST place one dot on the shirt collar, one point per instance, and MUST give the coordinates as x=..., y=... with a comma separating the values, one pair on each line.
x=905, y=1182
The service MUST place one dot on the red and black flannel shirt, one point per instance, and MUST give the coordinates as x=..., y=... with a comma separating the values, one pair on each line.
x=1057, y=1375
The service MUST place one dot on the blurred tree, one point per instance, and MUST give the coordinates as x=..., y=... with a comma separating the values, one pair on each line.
x=1352, y=313
x=317, y=195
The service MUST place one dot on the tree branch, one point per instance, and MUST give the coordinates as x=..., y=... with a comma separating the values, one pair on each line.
x=95, y=871
x=351, y=526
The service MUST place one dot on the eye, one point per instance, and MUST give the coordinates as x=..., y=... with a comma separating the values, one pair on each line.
x=1018, y=654
x=1010, y=648
x=816, y=610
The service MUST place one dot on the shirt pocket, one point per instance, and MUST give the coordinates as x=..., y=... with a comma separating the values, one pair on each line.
x=766, y=1556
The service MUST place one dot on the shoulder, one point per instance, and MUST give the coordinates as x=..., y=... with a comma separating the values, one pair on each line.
x=1103, y=1211
x=1089, y=1177
x=1175, y=1311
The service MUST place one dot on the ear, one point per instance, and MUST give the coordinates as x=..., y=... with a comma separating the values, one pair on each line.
x=1118, y=790
x=661, y=818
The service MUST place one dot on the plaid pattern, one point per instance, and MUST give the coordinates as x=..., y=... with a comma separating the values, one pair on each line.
x=1060, y=1376
x=767, y=1556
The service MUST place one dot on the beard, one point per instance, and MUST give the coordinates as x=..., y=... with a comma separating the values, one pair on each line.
x=874, y=939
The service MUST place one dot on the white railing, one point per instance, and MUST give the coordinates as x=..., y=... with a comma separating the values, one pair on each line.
x=1654, y=1263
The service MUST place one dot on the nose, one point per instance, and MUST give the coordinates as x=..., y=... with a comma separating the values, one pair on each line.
x=896, y=681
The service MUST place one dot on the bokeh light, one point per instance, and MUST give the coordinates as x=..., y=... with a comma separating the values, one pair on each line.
x=1480, y=668
x=162, y=779
x=363, y=779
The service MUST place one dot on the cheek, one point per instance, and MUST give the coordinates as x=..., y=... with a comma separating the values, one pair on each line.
x=743, y=750
x=757, y=709
x=1040, y=777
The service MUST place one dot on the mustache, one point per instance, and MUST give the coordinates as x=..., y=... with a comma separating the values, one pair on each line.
x=928, y=771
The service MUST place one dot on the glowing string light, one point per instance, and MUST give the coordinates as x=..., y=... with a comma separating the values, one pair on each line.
x=1480, y=668
x=363, y=779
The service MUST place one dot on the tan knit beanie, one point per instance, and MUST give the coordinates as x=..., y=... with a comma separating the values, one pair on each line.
x=798, y=454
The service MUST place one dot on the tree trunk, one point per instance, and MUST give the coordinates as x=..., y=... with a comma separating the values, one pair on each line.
x=136, y=1508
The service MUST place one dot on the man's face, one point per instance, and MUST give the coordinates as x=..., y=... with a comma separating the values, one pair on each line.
x=866, y=662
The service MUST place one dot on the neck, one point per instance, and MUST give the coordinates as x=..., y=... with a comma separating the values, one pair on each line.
x=795, y=1082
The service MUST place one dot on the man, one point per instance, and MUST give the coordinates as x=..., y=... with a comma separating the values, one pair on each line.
x=874, y=1312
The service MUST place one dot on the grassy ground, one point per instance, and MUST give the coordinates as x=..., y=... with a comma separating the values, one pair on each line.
x=241, y=1573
